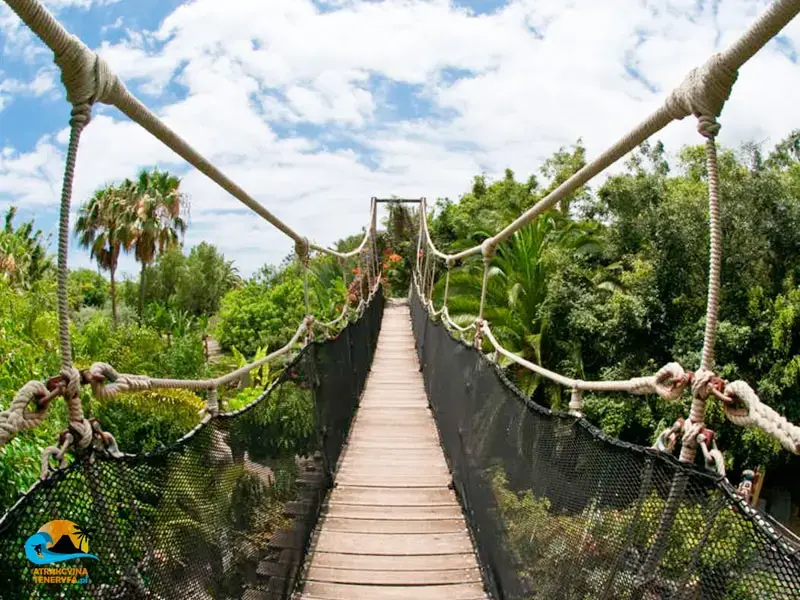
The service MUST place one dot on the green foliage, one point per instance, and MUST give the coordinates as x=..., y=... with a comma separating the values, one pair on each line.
x=87, y=288
x=614, y=284
x=551, y=550
x=281, y=426
x=261, y=316
x=145, y=421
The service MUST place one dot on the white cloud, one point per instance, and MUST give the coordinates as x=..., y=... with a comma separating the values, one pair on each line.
x=500, y=90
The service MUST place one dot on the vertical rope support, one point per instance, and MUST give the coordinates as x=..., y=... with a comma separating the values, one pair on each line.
x=303, y=250
x=708, y=128
x=420, y=216
x=487, y=261
x=80, y=117
x=305, y=290
x=433, y=278
x=715, y=250
x=447, y=265
x=425, y=265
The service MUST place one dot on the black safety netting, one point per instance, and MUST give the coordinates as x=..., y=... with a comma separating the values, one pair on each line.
x=225, y=512
x=560, y=511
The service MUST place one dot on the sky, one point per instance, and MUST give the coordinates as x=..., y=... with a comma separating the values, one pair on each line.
x=314, y=106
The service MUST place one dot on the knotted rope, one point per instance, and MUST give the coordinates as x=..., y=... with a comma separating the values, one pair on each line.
x=755, y=413
x=18, y=417
x=668, y=382
x=107, y=383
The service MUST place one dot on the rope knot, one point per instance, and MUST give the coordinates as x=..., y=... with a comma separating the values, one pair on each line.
x=668, y=382
x=301, y=247
x=106, y=382
x=86, y=76
x=707, y=126
x=488, y=248
x=703, y=91
x=72, y=381
x=690, y=432
x=702, y=383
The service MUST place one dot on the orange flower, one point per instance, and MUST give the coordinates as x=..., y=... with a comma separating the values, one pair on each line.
x=356, y=271
x=395, y=258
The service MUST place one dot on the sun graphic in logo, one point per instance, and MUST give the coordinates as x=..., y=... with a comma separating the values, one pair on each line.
x=60, y=528
x=57, y=541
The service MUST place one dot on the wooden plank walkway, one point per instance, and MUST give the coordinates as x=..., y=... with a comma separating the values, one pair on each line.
x=392, y=529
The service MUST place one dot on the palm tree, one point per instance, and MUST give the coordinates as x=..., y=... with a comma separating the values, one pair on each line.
x=23, y=253
x=103, y=226
x=517, y=288
x=158, y=221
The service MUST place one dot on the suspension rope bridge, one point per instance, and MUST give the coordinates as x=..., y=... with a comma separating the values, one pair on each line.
x=525, y=502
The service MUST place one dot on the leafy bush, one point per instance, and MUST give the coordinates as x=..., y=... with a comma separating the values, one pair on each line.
x=144, y=421
x=283, y=425
x=257, y=315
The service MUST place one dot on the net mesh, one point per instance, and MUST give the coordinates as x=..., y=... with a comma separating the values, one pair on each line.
x=225, y=512
x=560, y=511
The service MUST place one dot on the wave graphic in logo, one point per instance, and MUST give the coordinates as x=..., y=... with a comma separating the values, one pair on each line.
x=56, y=542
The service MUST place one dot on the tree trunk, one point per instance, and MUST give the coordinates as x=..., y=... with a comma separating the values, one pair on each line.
x=141, y=293
x=113, y=295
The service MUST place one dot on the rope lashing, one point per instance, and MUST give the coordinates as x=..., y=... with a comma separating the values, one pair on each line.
x=575, y=401
x=703, y=91
x=755, y=413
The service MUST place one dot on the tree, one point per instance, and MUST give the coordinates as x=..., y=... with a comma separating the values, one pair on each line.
x=206, y=279
x=103, y=226
x=158, y=222
x=23, y=253
x=87, y=288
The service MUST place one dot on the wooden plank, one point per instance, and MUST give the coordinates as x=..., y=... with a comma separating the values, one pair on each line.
x=393, y=497
x=341, y=591
x=352, y=466
x=388, y=513
x=450, y=576
x=366, y=562
x=407, y=482
x=393, y=544
x=395, y=526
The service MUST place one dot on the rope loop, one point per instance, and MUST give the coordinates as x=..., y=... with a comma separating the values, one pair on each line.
x=107, y=383
x=703, y=91
x=708, y=126
x=668, y=382
x=18, y=417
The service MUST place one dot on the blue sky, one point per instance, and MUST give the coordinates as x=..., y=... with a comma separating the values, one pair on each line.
x=313, y=106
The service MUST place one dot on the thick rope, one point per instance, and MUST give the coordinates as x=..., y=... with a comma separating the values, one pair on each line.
x=708, y=128
x=757, y=414
x=17, y=417
x=81, y=115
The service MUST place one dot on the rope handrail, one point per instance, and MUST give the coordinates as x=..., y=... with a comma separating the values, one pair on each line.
x=703, y=92
x=88, y=79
